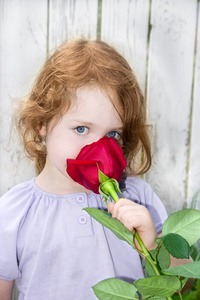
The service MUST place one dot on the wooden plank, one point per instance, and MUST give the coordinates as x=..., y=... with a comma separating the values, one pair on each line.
x=125, y=25
x=194, y=165
x=23, y=48
x=170, y=78
x=72, y=19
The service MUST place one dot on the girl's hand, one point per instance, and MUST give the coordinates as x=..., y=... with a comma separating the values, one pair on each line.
x=135, y=217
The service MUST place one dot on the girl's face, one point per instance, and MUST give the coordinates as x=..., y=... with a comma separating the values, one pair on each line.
x=91, y=117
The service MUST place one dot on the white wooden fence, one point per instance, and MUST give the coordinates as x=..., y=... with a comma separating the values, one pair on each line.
x=161, y=41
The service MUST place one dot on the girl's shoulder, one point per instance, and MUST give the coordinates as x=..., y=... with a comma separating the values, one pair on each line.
x=18, y=199
x=19, y=191
x=137, y=189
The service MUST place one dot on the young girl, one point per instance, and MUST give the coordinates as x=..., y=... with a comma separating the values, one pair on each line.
x=49, y=245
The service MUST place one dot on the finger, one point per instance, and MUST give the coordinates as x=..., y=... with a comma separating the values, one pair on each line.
x=121, y=203
x=110, y=207
x=127, y=219
x=125, y=211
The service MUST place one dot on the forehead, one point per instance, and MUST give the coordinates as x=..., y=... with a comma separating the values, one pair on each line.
x=91, y=98
x=93, y=103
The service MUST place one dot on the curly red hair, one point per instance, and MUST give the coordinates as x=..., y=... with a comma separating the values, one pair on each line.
x=78, y=63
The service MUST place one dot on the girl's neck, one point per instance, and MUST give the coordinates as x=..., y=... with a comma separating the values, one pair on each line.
x=58, y=183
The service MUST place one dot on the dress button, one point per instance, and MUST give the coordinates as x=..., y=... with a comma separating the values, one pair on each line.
x=80, y=199
x=82, y=220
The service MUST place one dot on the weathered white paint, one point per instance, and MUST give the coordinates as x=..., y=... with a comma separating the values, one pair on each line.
x=30, y=28
x=125, y=26
x=170, y=78
x=72, y=19
x=23, y=48
x=194, y=163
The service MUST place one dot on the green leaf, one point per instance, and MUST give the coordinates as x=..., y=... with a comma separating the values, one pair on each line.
x=176, y=245
x=113, y=224
x=195, y=251
x=159, y=255
x=192, y=294
x=190, y=270
x=161, y=286
x=187, y=296
x=157, y=298
x=147, y=266
x=163, y=257
x=115, y=289
x=185, y=223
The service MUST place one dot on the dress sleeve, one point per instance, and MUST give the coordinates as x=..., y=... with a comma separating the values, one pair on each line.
x=141, y=192
x=9, y=224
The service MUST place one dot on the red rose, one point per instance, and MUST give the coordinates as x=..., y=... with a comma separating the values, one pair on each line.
x=105, y=155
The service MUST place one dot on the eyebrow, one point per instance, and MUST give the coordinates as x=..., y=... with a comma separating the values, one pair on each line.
x=90, y=124
x=83, y=122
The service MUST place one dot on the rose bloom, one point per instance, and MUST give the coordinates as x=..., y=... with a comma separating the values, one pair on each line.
x=105, y=155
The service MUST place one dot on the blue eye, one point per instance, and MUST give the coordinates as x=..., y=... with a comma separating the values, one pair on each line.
x=114, y=134
x=81, y=129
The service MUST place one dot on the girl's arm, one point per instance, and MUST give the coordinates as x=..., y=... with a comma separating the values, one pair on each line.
x=6, y=288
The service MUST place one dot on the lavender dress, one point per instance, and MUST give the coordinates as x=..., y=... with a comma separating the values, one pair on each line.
x=55, y=251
